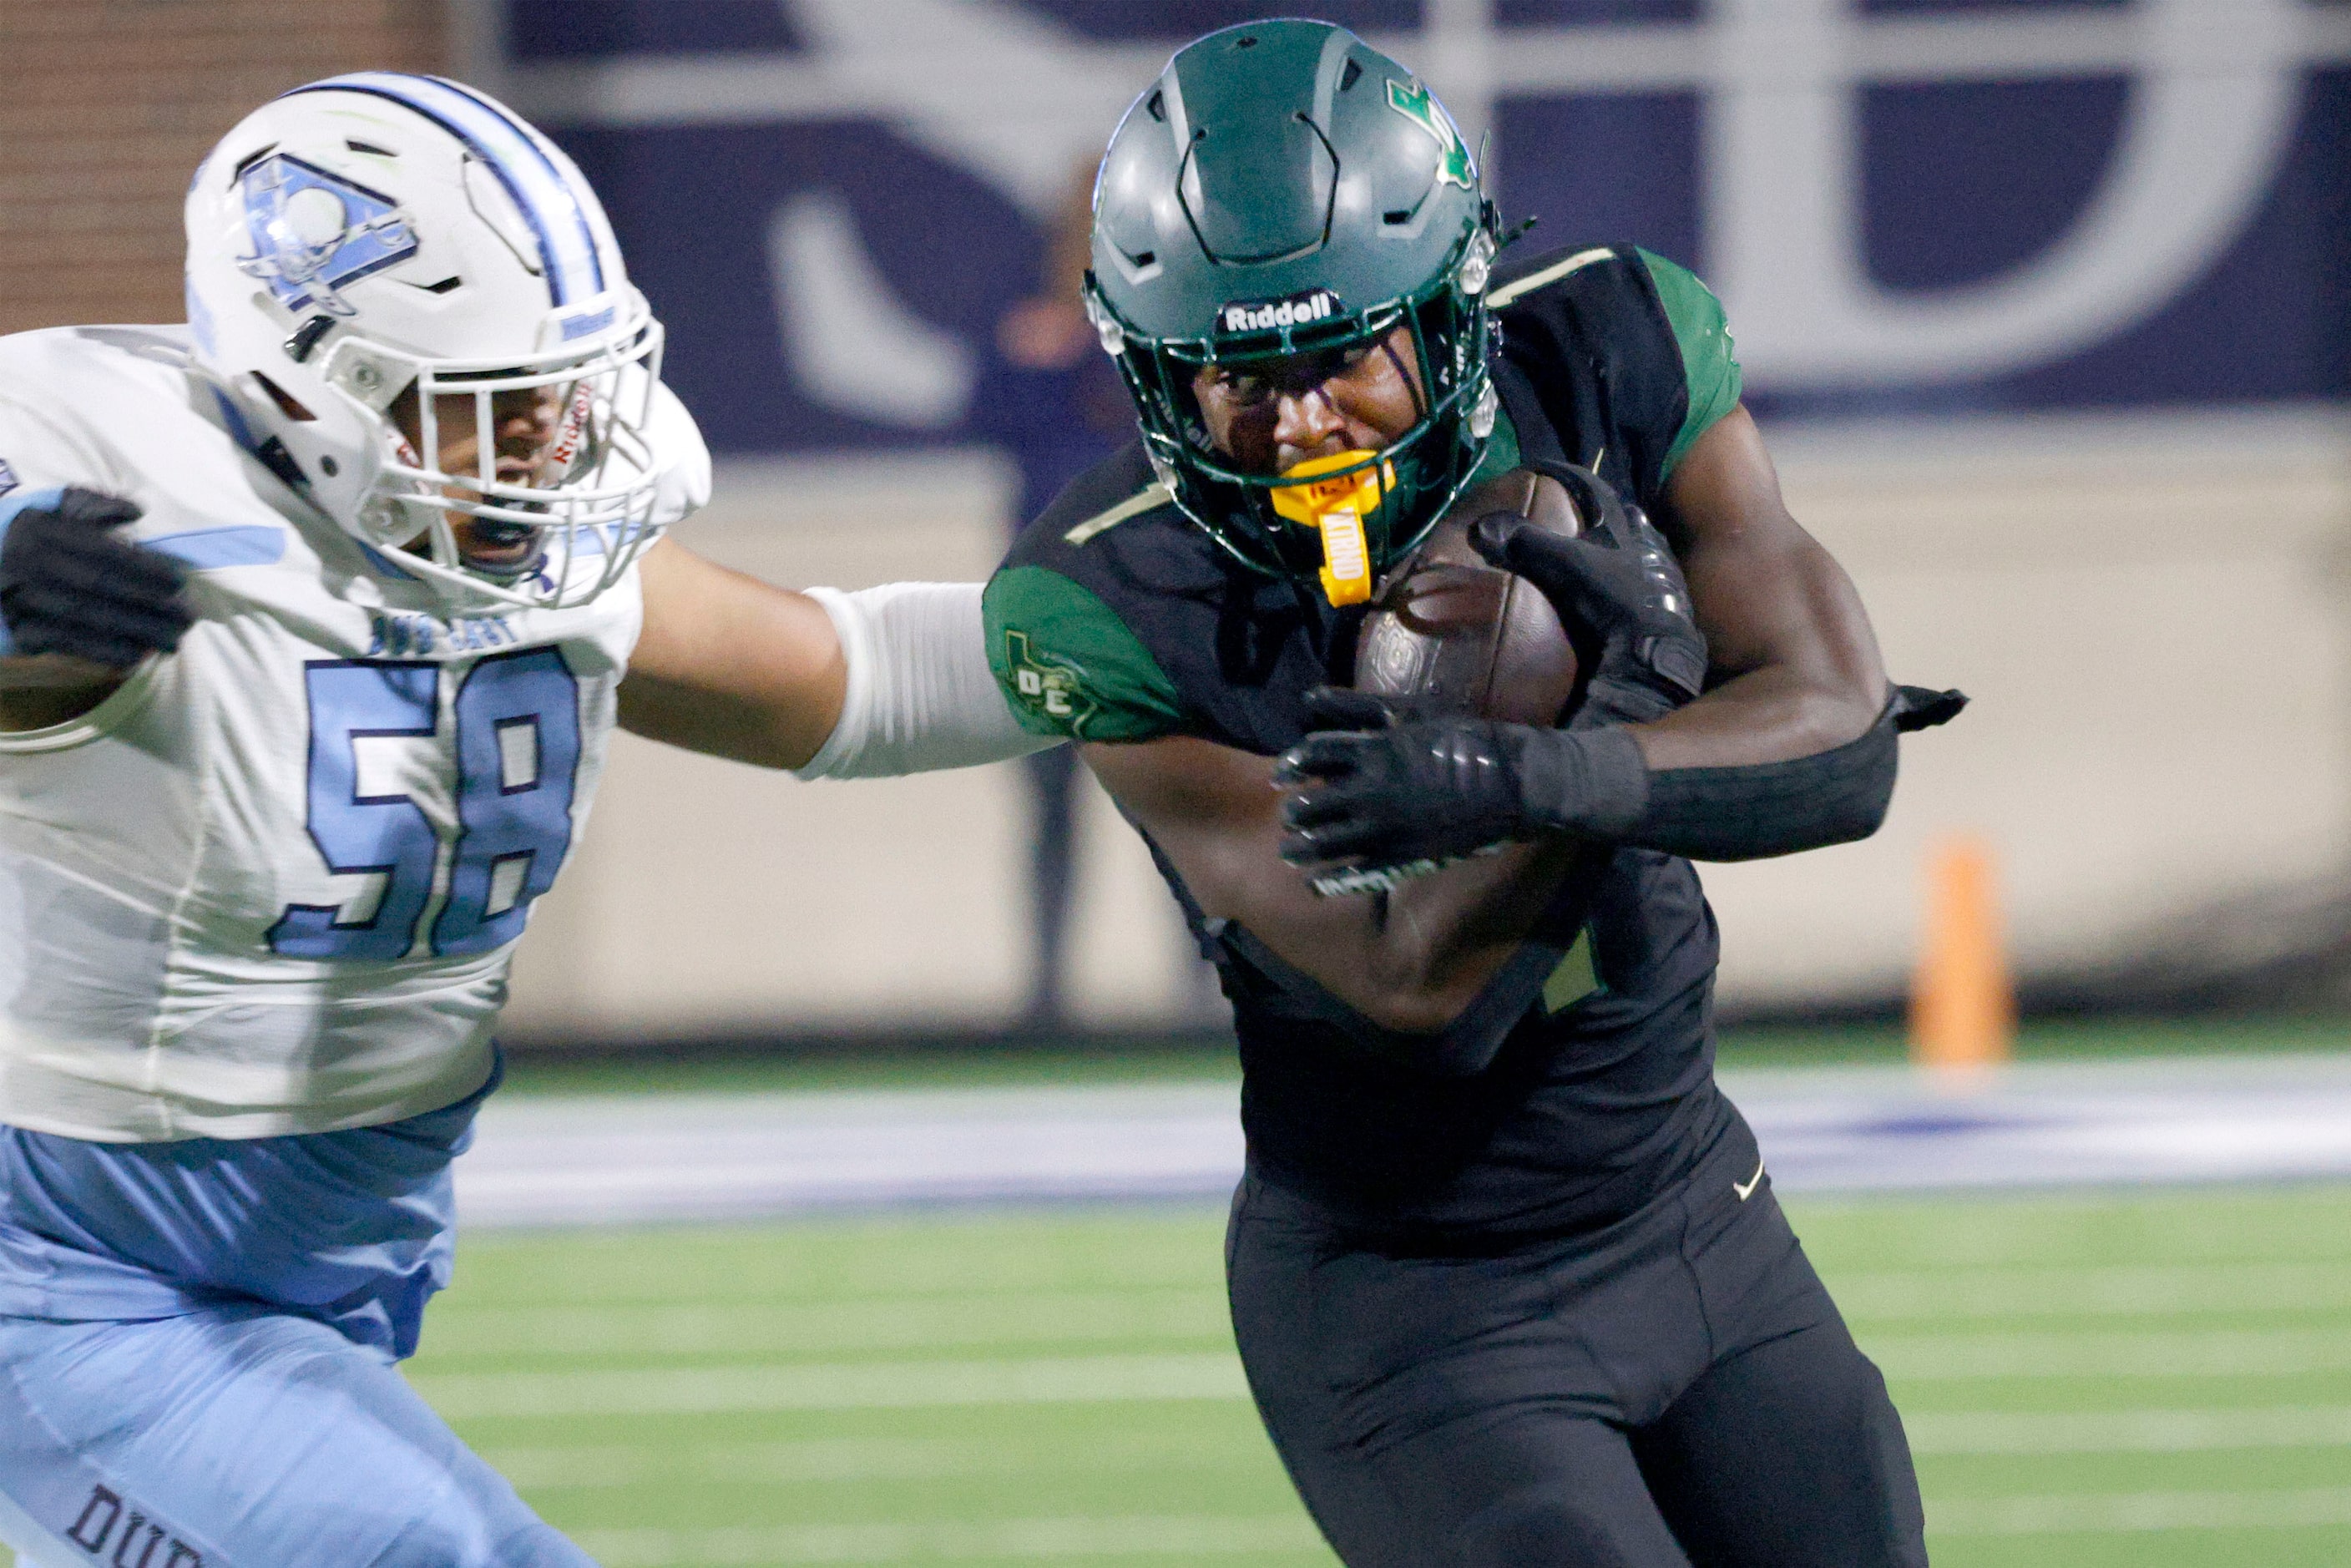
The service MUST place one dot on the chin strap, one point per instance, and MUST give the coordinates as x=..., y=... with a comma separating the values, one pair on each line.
x=267, y=451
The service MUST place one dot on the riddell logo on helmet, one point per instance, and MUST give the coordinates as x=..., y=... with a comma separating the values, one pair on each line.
x=1268, y=315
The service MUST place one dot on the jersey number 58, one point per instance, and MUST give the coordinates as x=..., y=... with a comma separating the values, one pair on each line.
x=517, y=719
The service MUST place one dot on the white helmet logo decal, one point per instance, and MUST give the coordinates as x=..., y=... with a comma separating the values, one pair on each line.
x=314, y=231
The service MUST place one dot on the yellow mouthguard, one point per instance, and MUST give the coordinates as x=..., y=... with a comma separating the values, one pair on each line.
x=1337, y=508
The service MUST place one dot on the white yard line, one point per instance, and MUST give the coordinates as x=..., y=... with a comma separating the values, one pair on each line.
x=1215, y=1374
x=831, y=1385
x=2010, y=1293
x=1016, y=1539
x=2215, y=1353
x=1942, y=1432
x=2079, y=1124
x=2103, y=1514
x=1933, y=1434
x=593, y=1465
x=621, y=1159
x=657, y=1158
x=811, y=1328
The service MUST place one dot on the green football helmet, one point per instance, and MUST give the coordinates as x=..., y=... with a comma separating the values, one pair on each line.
x=1283, y=188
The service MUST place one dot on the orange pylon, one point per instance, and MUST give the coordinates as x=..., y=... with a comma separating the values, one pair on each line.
x=1963, y=1005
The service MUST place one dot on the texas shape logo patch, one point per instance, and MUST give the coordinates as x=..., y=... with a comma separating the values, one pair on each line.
x=1051, y=688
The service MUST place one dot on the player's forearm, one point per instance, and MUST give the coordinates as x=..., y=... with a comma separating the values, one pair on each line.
x=1408, y=961
x=1733, y=811
x=1794, y=666
x=731, y=666
x=765, y=727
x=1792, y=746
x=1793, y=751
x=865, y=684
x=1432, y=789
x=1435, y=943
x=38, y=690
x=1771, y=715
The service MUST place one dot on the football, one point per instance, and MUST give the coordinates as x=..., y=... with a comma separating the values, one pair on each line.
x=1449, y=634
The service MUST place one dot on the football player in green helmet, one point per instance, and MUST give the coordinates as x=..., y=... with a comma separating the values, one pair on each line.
x=1241, y=244
x=1507, y=1272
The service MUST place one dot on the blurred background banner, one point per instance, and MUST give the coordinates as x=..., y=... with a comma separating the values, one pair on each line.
x=1929, y=206
x=2046, y=308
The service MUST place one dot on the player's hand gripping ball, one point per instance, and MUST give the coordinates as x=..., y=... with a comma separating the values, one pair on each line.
x=1619, y=588
x=69, y=584
x=1404, y=779
x=1448, y=636
x=1387, y=798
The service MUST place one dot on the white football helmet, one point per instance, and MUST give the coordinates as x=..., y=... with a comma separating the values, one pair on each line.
x=379, y=235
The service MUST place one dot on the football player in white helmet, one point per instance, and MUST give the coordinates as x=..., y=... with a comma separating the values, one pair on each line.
x=316, y=617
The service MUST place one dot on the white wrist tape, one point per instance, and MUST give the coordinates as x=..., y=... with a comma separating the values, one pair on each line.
x=921, y=695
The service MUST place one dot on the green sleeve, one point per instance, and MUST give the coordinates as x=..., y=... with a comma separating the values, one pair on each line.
x=1068, y=665
x=1710, y=364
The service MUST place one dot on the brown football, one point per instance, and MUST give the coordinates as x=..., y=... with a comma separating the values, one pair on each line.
x=1449, y=634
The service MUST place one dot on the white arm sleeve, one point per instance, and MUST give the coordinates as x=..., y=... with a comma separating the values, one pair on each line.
x=921, y=695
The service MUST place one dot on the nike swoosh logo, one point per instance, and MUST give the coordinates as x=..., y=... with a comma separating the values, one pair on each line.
x=1746, y=1190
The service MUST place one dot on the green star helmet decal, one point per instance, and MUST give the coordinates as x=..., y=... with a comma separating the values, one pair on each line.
x=1414, y=102
x=1052, y=688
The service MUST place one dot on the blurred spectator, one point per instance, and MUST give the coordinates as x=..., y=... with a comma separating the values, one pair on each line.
x=1051, y=400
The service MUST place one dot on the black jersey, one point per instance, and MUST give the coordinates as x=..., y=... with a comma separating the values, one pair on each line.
x=1116, y=619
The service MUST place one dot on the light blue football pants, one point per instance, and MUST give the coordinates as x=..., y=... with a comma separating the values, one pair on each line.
x=198, y=1343
x=240, y=1437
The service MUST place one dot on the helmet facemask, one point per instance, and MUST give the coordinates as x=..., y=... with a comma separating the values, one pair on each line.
x=585, y=491
x=1409, y=482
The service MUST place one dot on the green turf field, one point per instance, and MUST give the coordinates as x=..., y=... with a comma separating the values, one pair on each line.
x=2089, y=1380
x=2146, y=1379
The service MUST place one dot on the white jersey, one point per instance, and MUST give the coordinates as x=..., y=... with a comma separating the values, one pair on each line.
x=271, y=884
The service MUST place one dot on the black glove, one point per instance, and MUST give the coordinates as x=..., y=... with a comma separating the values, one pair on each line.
x=1395, y=793
x=1924, y=708
x=68, y=585
x=1616, y=585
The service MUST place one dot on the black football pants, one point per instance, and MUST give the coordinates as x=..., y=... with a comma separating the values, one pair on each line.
x=1677, y=1391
